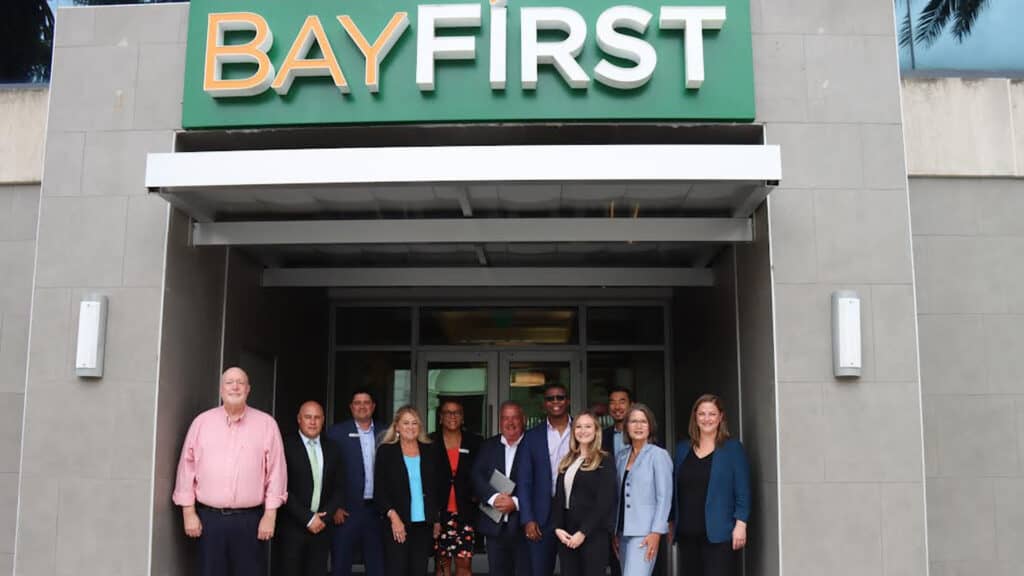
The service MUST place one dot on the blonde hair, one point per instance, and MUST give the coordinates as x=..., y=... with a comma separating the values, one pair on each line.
x=391, y=435
x=593, y=459
x=723, y=424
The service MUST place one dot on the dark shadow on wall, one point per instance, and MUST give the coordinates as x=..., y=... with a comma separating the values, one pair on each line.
x=723, y=346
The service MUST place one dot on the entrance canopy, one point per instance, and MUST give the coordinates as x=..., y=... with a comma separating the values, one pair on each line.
x=634, y=214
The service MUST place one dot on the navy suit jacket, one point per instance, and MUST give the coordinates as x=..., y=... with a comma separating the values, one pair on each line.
x=728, y=497
x=492, y=457
x=534, y=478
x=352, y=459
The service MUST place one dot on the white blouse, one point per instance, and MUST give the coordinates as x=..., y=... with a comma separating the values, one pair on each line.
x=570, y=476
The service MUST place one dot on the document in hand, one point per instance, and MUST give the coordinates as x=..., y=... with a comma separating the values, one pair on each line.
x=502, y=484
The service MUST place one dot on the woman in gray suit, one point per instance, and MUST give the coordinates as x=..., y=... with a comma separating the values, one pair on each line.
x=645, y=494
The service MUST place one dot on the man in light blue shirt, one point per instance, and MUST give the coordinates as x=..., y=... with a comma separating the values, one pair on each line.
x=357, y=525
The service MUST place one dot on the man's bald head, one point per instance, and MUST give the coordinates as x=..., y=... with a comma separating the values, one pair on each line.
x=234, y=388
x=311, y=419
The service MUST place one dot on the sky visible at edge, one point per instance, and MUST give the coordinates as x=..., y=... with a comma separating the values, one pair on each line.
x=995, y=44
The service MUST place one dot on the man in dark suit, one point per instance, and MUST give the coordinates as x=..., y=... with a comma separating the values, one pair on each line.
x=545, y=445
x=507, y=553
x=357, y=524
x=314, y=491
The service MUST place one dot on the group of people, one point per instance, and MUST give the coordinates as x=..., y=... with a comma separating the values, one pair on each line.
x=566, y=488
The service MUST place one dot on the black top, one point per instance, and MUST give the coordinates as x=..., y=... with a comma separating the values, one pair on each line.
x=693, y=492
x=391, y=482
x=465, y=500
x=591, y=503
x=622, y=504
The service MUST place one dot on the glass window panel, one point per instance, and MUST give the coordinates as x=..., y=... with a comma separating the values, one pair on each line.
x=642, y=372
x=387, y=375
x=502, y=326
x=463, y=382
x=630, y=326
x=373, y=326
x=526, y=385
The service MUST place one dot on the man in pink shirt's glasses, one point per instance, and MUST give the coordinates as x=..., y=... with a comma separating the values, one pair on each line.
x=231, y=481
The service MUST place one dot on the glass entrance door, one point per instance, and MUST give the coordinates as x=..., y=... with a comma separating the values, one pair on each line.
x=467, y=377
x=481, y=381
x=524, y=375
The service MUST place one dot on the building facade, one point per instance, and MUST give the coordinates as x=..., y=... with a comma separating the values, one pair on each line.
x=421, y=281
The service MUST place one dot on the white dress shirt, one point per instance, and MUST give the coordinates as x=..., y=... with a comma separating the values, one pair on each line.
x=510, y=458
x=558, y=447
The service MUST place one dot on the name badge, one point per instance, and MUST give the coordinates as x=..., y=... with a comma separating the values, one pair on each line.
x=353, y=434
x=463, y=450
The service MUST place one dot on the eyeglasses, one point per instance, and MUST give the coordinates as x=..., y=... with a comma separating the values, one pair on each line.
x=556, y=398
x=451, y=412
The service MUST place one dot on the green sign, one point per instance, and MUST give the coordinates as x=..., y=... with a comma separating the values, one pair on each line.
x=301, y=62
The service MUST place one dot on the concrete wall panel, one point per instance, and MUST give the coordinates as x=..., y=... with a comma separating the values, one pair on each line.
x=780, y=78
x=115, y=162
x=13, y=350
x=19, y=210
x=838, y=70
x=832, y=529
x=190, y=352
x=22, y=130
x=98, y=232
x=19, y=205
x=65, y=179
x=793, y=234
x=826, y=17
x=977, y=130
x=903, y=551
x=967, y=246
x=841, y=222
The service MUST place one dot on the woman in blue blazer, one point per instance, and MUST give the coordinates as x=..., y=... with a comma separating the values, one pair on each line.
x=645, y=494
x=712, y=486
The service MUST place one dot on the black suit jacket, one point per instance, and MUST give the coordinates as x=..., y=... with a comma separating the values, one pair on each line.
x=391, y=482
x=492, y=457
x=300, y=480
x=608, y=441
x=592, y=503
x=465, y=499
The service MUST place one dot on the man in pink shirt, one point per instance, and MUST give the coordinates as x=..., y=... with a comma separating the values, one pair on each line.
x=231, y=481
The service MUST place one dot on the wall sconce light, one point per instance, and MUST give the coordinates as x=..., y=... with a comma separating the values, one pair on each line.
x=92, y=336
x=846, y=338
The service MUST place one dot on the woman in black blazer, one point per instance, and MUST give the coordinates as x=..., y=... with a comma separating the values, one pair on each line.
x=406, y=493
x=456, y=450
x=584, y=505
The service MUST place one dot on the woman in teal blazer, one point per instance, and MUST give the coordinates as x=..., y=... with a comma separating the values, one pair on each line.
x=712, y=493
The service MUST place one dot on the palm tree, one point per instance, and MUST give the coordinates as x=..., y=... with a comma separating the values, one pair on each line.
x=26, y=41
x=934, y=18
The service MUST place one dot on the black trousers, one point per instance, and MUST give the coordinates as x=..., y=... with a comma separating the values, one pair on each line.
x=301, y=553
x=507, y=554
x=410, y=557
x=229, y=546
x=590, y=559
x=700, y=557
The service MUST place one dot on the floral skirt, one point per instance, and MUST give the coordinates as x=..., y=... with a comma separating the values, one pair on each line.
x=456, y=538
